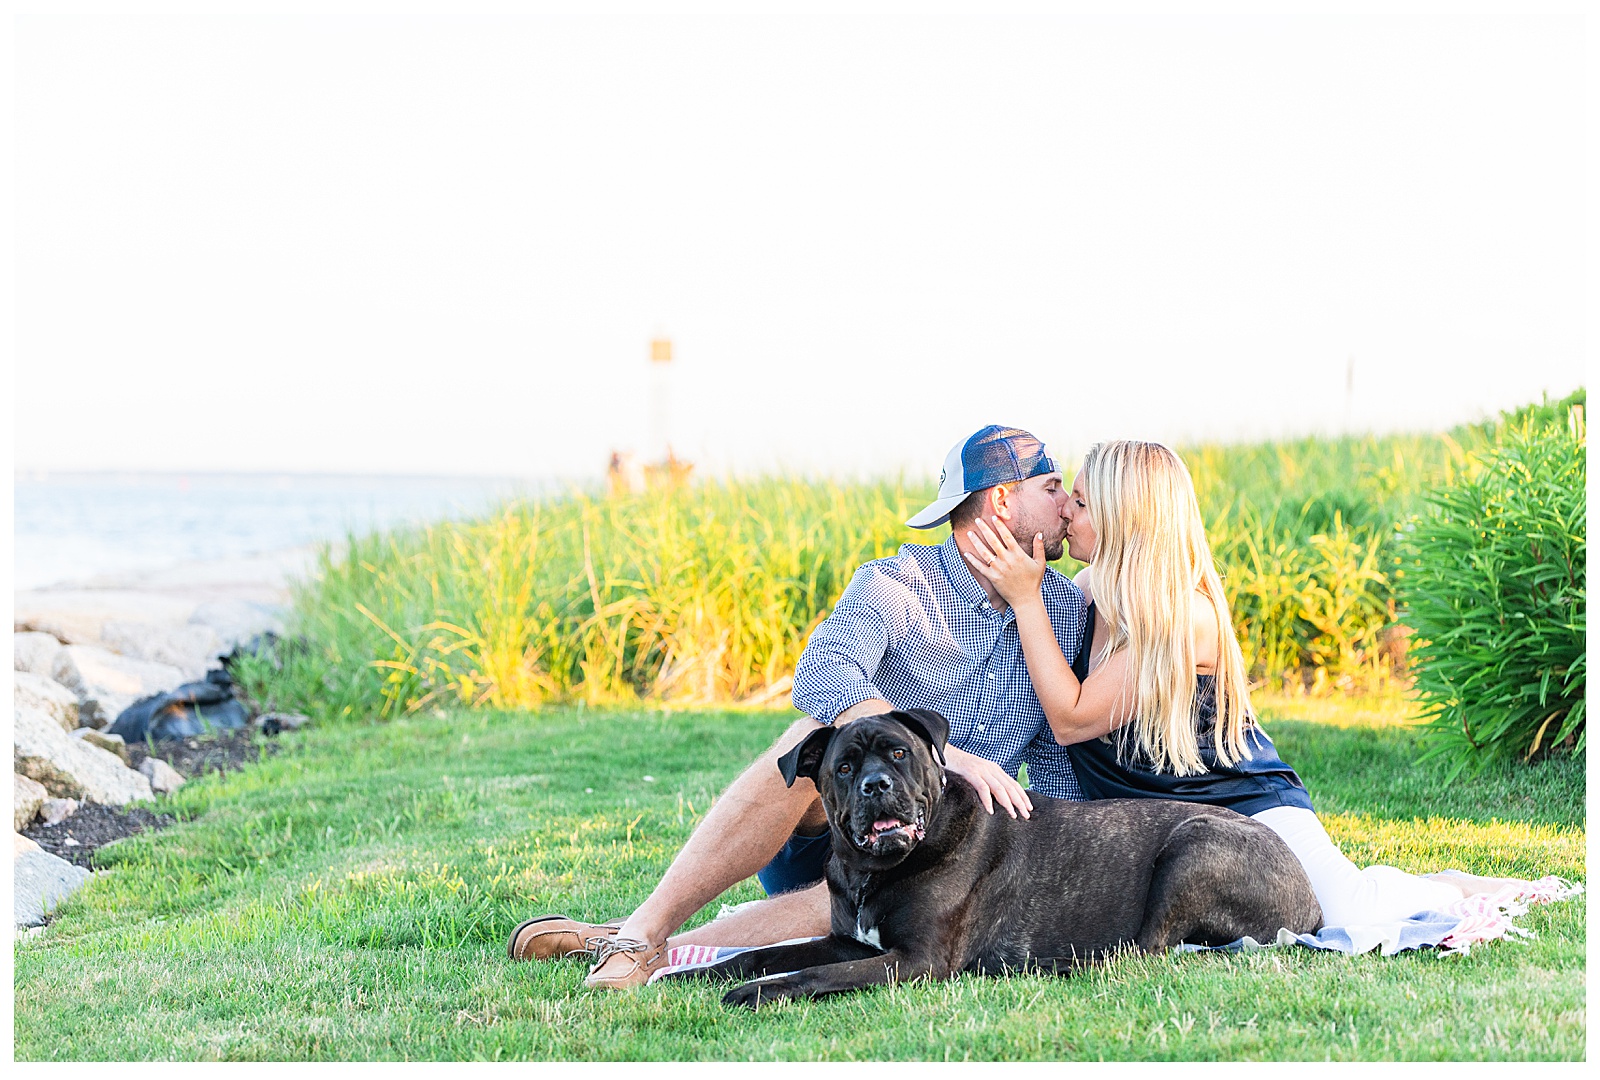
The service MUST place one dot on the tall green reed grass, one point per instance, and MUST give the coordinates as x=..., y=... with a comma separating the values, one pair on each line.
x=697, y=593
x=1306, y=536
x=691, y=594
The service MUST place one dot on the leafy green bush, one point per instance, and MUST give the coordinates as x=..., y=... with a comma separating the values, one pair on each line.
x=1539, y=413
x=1493, y=584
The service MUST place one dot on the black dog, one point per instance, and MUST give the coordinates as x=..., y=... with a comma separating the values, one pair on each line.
x=926, y=883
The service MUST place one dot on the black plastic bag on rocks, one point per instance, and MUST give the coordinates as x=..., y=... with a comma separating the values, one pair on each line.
x=192, y=709
x=264, y=645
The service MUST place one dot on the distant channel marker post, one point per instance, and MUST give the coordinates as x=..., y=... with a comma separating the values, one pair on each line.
x=630, y=472
x=660, y=448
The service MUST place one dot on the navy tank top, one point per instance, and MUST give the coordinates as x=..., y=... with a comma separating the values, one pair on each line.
x=1248, y=786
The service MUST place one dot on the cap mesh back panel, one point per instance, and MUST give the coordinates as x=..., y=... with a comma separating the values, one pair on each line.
x=1000, y=455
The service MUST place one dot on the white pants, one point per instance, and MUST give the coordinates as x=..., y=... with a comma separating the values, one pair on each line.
x=1350, y=896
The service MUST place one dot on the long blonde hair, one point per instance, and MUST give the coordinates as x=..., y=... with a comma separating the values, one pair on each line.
x=1150, y=559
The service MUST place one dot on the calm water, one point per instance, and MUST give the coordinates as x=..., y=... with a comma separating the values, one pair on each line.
x=71, y=526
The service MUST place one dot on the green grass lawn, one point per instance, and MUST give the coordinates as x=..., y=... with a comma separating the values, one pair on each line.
x=351, y=896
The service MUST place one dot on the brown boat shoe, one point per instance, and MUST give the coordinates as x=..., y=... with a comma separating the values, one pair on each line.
x=622, y=964
x=551, y=937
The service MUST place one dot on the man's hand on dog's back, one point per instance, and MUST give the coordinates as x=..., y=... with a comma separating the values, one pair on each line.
x=993, y=783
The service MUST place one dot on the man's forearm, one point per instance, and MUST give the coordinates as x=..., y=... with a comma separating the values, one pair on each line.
x=870, y=707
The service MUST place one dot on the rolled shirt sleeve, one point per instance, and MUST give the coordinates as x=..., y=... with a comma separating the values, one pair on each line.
x=844, y=653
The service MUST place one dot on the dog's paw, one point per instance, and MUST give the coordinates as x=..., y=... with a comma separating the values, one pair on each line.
x=753, y=995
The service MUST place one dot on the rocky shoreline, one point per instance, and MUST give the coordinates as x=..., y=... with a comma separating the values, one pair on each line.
x=82, y=655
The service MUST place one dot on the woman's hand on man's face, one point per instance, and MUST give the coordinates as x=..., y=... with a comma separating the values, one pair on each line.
x=1015, y=574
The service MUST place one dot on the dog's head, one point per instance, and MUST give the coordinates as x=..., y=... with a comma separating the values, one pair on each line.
x=880, y=777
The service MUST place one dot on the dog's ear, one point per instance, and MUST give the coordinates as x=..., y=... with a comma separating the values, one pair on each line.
x=930, y=725
x=806, y=759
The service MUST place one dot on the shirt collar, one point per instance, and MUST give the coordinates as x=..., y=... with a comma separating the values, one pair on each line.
x=961, y=577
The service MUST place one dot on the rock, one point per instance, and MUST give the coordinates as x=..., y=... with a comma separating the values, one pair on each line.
x=107, y=683
x=25, y=806
x=191, y=648
x=163, y=777
x=40, y=881
x=55, y=811
x=236, y=621
x=72, y=768
x=104, y=740
x=78, y=616
x=33, y=651
x=38, y=692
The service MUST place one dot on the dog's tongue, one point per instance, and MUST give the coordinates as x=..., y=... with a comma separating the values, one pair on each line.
x=887, y=825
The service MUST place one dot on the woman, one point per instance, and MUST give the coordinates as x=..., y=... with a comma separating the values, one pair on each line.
x=1157, y=703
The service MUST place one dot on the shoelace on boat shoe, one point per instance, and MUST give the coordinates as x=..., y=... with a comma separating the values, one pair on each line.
x=598, y=941
x=621, y=946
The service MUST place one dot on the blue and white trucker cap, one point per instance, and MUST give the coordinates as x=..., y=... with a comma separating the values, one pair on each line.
x=995, y=455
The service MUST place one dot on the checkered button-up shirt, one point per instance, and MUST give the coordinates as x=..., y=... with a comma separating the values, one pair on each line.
x=918, y=631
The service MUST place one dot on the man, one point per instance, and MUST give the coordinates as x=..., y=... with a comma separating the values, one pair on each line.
x=918, y=630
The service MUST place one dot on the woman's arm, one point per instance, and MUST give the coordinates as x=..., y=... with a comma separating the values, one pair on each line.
x=1077, y=711
x=1085, y=583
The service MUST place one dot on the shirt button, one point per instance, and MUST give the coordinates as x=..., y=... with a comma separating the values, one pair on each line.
x=989, y=673
x=981, y=727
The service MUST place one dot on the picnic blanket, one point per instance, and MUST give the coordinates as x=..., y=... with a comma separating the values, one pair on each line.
x=1453, y=931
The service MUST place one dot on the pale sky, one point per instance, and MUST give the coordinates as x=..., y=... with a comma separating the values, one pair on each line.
x=443, y=245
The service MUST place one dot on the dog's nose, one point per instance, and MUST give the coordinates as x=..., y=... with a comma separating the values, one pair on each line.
x=876, y=783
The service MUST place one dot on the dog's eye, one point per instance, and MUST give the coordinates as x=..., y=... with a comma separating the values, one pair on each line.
x=844, y=770
x=898, y=754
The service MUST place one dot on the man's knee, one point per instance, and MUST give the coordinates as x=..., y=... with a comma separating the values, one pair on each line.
x=764, y=770
x=814, y=819
x=803, y=793
x=794, y=736
x=767, y=763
